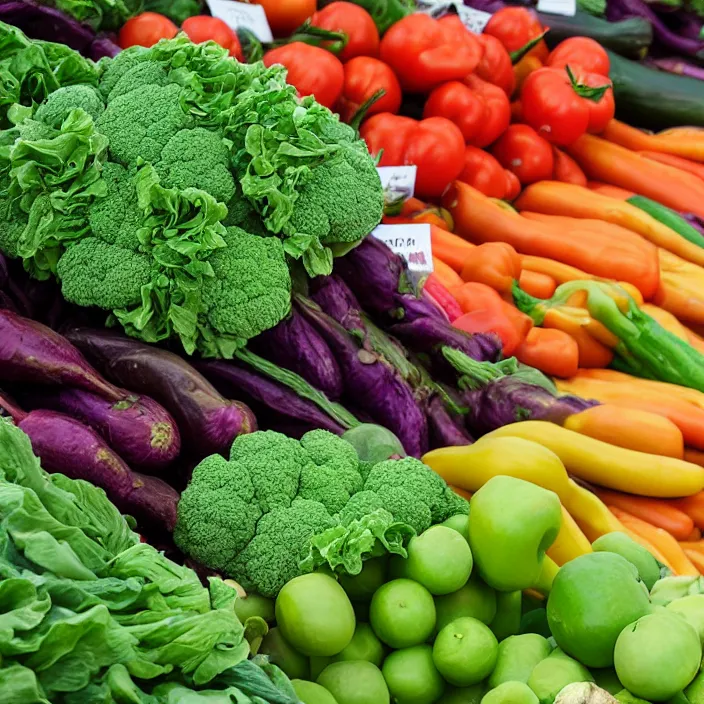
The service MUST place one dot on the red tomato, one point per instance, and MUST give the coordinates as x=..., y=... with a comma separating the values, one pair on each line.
x=434, y=145
x=601, y=106
x=286, y=15
x=495, y=66
x=460, y=104
x=513, y=185
x=312, y=70
x=365, y=76
x=498, y=116
x=355, y=22
x=204, y=28
x=524, y=152
x=580, y=52
x=514, y=27
x=483, y=172
x=552, y=106
x=146, y=30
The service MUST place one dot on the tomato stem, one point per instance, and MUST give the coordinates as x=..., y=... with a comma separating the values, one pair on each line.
x=517, y=55
x=363, y=109
x=316, y=36
x=594, y=94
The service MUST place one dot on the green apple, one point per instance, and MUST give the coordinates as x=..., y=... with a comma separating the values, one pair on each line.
x=475, y=599
x=625, y=546
x=507, y=621
x=312, y=693
x=511, y=693
x=593, y=598
x=607, y=679
x=691, y=608
x=363, y=646
x=695, y=690
x=284, y=655
x=511, y=524
x=551, y=675
x=517, y=657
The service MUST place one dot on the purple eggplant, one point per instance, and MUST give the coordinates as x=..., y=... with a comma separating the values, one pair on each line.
x=445, y=431
x=696, y=222
x=208, y=422
x=678, y=66
x=509, y=399
x=141, y=431
x=380, y=281
x=63, y=444
x=33, y=353
x=270, y=396
x=371, y=383
x=294, y=344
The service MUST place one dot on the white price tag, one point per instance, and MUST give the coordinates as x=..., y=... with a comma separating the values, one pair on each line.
x=412, y=242
x=240, y=14
x=474, y=20
x=398, y=182
x=567, y=8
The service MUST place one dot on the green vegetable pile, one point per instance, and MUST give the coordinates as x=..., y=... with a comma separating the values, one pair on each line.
x=280, y=507
x=172, y=186
x=90, y=614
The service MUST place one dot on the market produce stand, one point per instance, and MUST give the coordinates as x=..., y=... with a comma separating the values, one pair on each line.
x=351, y=353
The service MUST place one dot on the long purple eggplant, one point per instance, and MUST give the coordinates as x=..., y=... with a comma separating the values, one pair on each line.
x=208, y=422
x=294, y=344
x=270, y=395
x=65, y=445
x=380, y=281
x=371, y=383
x=33, y=353
x=445, y=431
x=141, y=431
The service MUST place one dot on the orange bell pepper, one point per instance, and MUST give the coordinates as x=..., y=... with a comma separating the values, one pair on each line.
x=446, y=274
x=537, y=284
x=686, y=142
x=553, y=352
x=449, y=248
x=495, y=264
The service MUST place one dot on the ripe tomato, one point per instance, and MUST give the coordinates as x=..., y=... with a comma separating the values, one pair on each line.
x=355, y=22
x=286, y=15
x=513, y=185
x=524, y=152
x=514, y=27
x=460, y=104
x=552, y=106
x=580, y=53
x=483, y=172
x=601, y=105
x=495, y=66
x=203, y=28
x=365, y=76
x=498, y=114
x=434, y=145
x=312, y=70
x=146, y=30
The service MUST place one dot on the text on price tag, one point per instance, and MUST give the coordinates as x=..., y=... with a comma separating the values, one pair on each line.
x=567, y=8
x=412, y=242
x=474, y=20
x=239, y=14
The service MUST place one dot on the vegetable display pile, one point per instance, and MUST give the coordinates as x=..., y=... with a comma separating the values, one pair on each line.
x=467, y=473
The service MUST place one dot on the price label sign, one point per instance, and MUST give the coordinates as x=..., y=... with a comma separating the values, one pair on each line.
x=398, y=182
x=412, y=242
x=474, y=20
x=567, y=8
x=240, y=14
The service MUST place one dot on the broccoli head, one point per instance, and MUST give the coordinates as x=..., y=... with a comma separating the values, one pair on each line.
x=278, y=505
x=56, y=108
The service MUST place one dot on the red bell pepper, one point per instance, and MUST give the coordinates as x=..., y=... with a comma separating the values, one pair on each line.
x=425, y=52
x=434, y=145
x=440, y=295
x=364, y=78
x=311, y=70
x=481, y=110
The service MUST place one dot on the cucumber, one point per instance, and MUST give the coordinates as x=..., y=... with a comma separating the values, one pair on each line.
x=653, y=99
x=631, y=38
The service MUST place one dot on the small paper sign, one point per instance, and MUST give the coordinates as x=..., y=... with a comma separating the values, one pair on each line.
x=239, y=14
x=398, y=182
x=474, y=20
x=412, y=242
x=567, y=8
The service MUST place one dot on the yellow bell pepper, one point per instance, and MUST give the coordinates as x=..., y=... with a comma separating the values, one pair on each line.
x=570, y=541
x=607, y=465
x=471, y=466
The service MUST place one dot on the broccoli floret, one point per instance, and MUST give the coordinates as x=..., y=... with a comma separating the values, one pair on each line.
x=140, y=123
x=274, y=463
x=61, y=102
x=327, y=449
x=419, y=484
x=94, y=273
x=197, y=158
x=342, y=199
x=251, y=288
x=120, y=65
x=271, y=559
x=360, y=505
x=12, y=224
x=241, y=213
x=143, y=73
x=454, y=505
x=217, y=515
x=116, y=217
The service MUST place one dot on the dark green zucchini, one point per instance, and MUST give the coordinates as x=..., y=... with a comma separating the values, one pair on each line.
x=653, y=99
x=631, y=38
